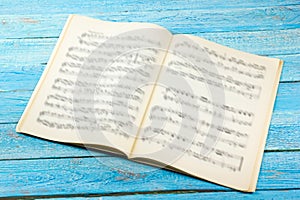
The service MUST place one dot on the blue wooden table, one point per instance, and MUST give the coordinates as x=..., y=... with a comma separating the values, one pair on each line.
x=31, y=167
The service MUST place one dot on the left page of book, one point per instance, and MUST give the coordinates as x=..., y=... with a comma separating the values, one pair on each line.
x=93, y=90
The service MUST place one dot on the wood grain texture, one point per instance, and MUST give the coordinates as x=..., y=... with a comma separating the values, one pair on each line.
x=106, y=175
x=19, y=146
x=95, y=6
x=177, y=21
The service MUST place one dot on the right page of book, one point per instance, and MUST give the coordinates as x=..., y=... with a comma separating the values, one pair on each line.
x=210, y=112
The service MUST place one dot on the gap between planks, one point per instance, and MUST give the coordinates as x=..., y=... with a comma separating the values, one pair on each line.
x=157, y=192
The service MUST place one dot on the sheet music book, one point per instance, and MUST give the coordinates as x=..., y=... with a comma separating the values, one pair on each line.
x=175, y=101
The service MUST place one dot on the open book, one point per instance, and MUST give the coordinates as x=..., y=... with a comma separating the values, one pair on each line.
x=177, y=101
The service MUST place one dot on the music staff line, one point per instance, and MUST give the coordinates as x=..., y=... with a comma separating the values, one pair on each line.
x=205, y=100
x=238, y=159
x=92, y=109
x=88, y=84
x=91, y=35
x=202, y=122
x=229, y=87
x=227, y=78
x=203, y=134
x=104, y=77
x=205, y=109
x=223, y=57
x=83, y=101
x=90, y=127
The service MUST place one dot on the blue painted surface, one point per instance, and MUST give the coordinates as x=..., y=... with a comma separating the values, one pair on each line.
x=30, y=167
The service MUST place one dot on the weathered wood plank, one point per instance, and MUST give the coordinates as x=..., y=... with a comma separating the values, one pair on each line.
x=94, y=6
x=268, y=194
x=291, y=67
x=25, y=52
x=262, y=42
x=177, y=21
x=13, y=105
x=19, y=146
x=113, y=175
x=20, y=77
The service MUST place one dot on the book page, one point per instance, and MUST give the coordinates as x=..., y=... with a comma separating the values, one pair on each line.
x=210, y=112
x=94, y=88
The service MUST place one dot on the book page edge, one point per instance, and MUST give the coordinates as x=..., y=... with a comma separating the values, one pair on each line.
x=259, y=157
x=44, y=75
